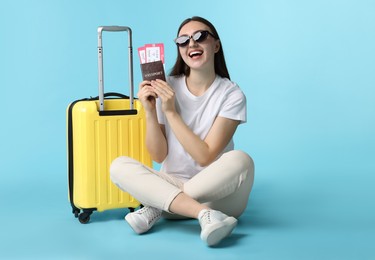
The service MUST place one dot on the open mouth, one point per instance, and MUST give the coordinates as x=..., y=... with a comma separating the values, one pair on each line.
x=195, y=54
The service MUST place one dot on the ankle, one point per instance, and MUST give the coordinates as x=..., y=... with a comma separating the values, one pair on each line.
x=202, y=212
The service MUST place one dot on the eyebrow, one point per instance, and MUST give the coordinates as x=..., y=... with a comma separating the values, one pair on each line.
x=194, y=32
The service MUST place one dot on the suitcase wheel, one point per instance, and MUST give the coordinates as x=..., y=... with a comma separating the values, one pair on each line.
x=76, y=212
x=84, y=217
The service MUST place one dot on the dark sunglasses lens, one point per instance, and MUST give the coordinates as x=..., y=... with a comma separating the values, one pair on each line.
x=182, y=40
x=200, y=36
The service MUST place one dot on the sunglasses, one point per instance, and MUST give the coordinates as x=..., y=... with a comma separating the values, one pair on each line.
x=199, y=36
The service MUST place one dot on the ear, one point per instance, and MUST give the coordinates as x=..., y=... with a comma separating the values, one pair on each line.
x=217, y=46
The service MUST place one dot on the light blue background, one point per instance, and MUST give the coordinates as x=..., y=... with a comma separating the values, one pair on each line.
x=308, y=71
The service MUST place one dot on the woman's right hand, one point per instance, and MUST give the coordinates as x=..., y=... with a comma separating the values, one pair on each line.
x=147, y=95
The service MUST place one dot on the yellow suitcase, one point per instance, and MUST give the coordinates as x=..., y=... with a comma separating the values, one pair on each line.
x=99, y=130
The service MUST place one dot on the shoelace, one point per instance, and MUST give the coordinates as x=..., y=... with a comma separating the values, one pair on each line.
x=206, y=218
x=151, y=214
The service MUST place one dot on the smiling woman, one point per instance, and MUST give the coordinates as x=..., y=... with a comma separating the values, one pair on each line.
x=199, y=36
x=191, y=120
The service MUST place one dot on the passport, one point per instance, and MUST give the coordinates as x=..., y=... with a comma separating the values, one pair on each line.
x=153, y=70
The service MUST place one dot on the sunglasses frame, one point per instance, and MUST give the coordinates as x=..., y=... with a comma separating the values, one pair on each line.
x=203, y=34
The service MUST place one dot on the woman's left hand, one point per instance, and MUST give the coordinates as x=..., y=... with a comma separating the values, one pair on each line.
x=166, y=94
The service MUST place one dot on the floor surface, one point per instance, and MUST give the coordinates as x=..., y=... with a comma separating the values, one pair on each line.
x=283, y=220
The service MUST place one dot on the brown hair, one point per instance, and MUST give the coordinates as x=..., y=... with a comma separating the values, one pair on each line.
x=220, y=66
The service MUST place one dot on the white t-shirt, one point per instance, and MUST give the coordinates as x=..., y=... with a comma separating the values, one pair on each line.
x=223, y=98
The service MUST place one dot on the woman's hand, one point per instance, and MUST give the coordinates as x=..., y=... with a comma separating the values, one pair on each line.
x=147, y=95
x=166, y=94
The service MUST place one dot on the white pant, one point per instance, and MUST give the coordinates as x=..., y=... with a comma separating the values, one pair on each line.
x=224, y=185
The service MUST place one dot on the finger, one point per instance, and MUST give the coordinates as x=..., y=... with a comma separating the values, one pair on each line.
x=161, y=92
x=146, y=91
x=147, y=94
x=162, y=83
x=162, y=88
x=144, y=83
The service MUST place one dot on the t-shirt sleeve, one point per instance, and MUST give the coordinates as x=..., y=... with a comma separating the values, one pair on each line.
x=234, y=106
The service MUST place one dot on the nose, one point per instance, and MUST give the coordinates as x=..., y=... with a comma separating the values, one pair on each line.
x=192, y=42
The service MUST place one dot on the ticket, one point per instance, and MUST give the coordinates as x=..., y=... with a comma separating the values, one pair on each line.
x=142, y=54
x=154, y=52
x=151, y=52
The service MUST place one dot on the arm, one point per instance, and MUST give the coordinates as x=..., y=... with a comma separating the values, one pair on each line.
x=204, y=151
x=155, y=134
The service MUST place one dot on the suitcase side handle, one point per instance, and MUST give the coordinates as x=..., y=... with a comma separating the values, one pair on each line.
x=111, y=94
x=100, y=62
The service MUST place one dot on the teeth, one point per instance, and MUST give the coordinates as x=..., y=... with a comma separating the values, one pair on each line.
x=195, y=53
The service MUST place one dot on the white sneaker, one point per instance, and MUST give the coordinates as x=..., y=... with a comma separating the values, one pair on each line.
x=215, y=226
x=143, y=219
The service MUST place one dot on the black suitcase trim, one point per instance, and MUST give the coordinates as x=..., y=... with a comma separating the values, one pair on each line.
x=76, y=211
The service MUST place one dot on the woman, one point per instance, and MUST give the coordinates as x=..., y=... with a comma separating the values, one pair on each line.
x=191, y=119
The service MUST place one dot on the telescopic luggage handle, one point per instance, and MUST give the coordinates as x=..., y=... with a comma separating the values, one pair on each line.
x=100, y=63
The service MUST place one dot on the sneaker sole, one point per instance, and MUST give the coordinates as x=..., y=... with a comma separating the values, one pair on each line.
x=218, y=232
